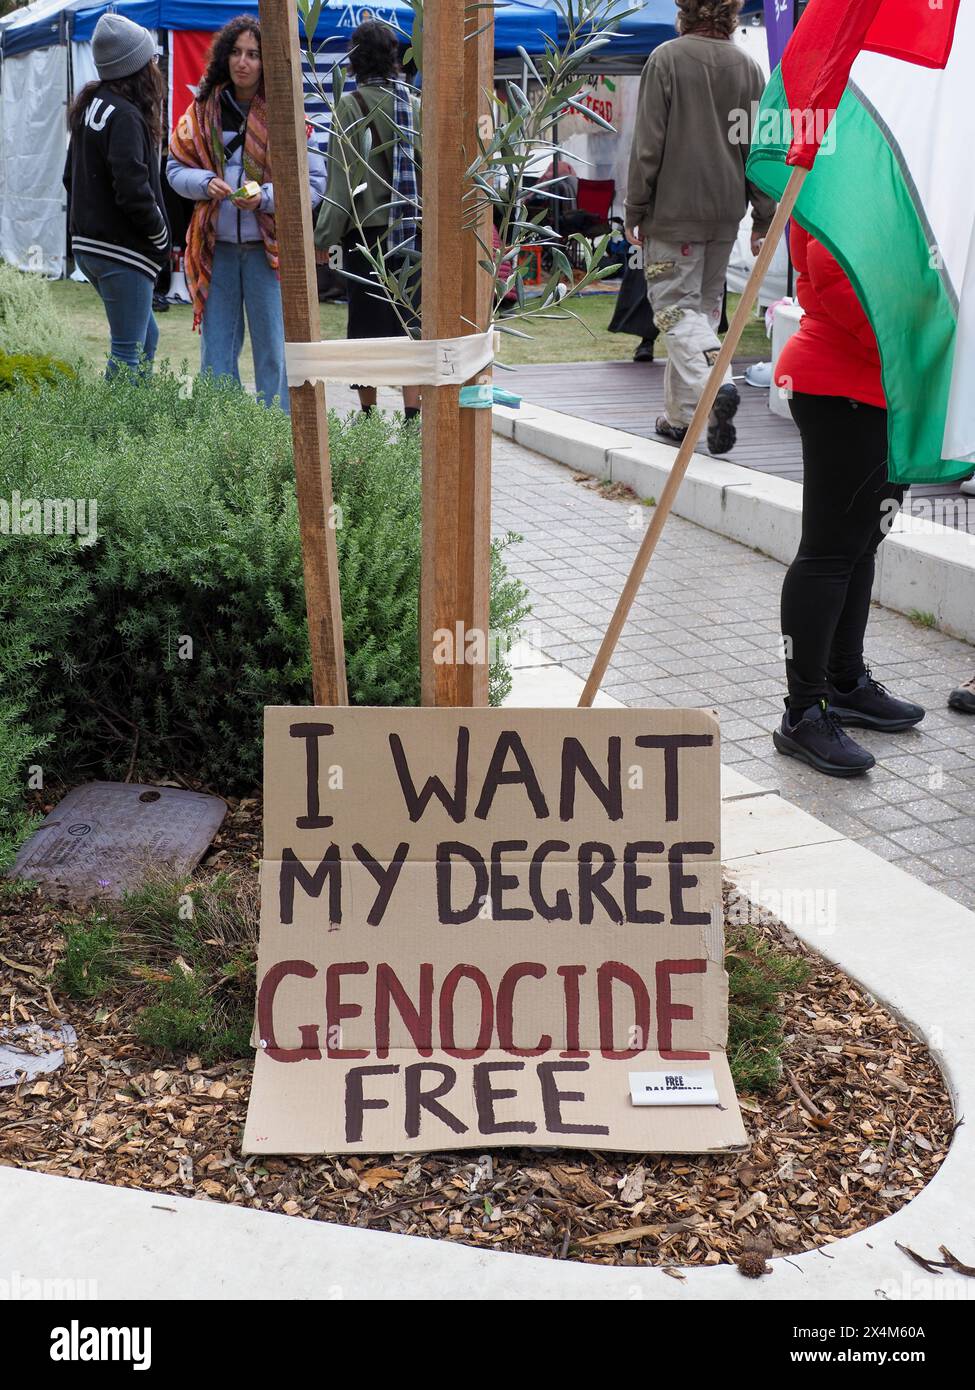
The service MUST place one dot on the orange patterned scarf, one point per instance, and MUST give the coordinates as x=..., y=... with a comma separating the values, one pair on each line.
x=197, y=142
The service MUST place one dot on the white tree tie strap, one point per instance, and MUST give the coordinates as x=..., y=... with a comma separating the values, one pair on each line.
x=392, y=361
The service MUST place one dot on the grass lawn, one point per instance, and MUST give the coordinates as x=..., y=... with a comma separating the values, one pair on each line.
x=569, y=340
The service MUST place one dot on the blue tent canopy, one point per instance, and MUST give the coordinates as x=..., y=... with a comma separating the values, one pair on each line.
x=626, y=50
x=22, y=32
x=516, y=23
x=84, y=16
x=652, y=23
x=638, y=33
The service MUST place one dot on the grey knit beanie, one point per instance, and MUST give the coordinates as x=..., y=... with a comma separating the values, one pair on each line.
x=120, y=47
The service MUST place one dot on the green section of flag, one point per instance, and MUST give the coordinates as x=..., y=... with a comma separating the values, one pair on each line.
x=861, y=204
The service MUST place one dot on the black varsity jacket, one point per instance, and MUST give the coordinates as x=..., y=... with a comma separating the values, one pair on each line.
x=112, y=175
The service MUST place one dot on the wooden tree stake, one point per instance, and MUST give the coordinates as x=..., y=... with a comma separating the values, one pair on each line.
x=455, y=582
x=281, y=55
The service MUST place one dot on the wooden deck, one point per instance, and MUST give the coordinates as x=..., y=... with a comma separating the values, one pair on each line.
x=629, y=396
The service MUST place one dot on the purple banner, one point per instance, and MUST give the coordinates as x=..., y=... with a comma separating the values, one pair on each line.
x=779, y=23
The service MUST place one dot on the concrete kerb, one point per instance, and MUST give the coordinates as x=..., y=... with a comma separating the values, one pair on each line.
x=922, y=566
x=132, y=1244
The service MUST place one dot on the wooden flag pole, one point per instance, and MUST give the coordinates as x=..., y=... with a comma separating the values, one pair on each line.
x=456, y=561
x=281, y=56
x=694, y=429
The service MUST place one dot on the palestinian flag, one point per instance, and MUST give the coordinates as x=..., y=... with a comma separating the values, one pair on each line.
x=876, y=98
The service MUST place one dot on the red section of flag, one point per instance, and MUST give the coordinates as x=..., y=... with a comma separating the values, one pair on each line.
x=817, y=60
x=915, y=30
x=188, y=49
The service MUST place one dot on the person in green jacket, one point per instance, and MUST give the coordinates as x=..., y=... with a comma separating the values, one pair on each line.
x=373, y=152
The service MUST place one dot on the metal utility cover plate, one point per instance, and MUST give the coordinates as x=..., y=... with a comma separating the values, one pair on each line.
x=101, y=839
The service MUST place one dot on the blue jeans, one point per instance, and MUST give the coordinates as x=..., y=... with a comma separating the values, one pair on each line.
x=242, y=279
x=132, y=327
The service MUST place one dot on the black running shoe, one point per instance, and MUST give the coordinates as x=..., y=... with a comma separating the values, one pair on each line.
x=818, y=739
x=721, y=432
x=871, y=706
x=963, y=698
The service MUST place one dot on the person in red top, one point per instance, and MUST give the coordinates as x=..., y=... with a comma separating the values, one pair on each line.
x=831, y=371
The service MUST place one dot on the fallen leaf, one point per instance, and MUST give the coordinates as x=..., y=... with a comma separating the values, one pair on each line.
x=756, y=1200
x=956, y=1264
x=538, y=1177
x=372, y=1177
x=619, y=1237
x=932, y=1268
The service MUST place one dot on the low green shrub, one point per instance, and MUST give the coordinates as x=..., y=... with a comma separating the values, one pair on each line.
x=183, y=956
x=758, y=977
x=93, y=959
x=31, y=369
x=18, y=745
x=29, y=318
x=184, y=1019
x=155, y=638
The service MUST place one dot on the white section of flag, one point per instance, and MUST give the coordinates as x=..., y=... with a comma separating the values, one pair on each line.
x=929, y=115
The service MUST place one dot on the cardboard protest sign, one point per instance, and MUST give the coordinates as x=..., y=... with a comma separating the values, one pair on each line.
x=491, y=926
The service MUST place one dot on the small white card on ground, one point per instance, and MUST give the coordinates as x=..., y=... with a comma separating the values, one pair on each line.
x=673, y=1088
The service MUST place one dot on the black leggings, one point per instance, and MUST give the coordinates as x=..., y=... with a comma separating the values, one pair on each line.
x=847, y=508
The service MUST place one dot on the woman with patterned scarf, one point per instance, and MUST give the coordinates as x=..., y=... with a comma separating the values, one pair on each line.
x=219, y=157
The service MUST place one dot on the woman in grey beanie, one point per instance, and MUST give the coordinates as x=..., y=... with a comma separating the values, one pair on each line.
x=119, y=232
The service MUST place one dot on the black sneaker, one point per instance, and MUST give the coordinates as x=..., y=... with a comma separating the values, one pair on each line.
x=963, y=698
x=721, y=432
x=644, y=351
x=871, y=706
x=818, y=739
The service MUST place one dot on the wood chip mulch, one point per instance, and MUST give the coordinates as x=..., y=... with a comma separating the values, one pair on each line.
x=858, y=1125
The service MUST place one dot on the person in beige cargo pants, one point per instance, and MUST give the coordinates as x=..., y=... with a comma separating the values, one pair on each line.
x=686, y=195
